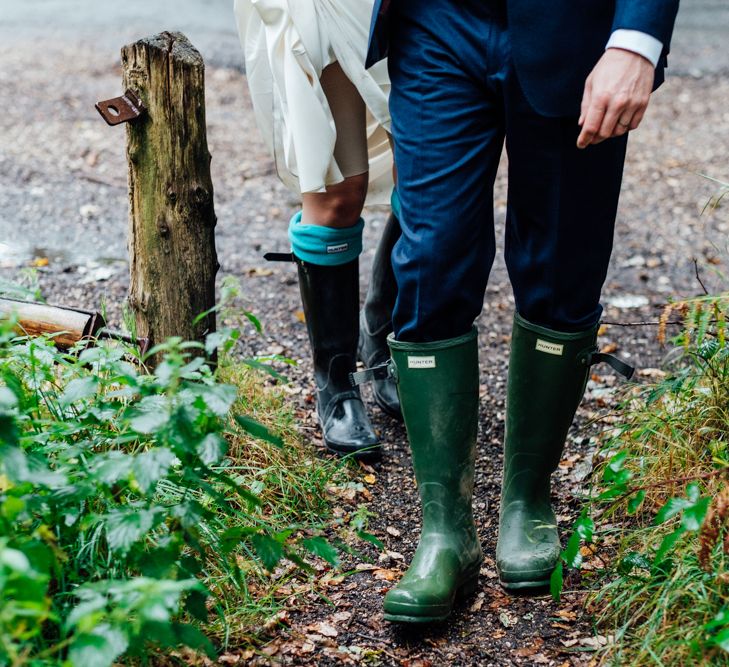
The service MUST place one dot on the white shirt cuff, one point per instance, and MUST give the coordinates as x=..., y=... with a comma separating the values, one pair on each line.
x=638, y=42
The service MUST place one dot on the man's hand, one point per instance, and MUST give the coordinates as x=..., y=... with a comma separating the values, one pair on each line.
x=616, y=96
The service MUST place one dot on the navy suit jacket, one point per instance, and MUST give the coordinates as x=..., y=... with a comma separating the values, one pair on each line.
x=556, y=43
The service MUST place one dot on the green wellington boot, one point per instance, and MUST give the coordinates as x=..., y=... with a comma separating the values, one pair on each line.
x=438, y=386
x=548, y=371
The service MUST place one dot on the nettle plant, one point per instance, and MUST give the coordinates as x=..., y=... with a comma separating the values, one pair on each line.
x=115, y=496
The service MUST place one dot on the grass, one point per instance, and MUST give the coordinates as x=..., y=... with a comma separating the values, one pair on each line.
x=294, y=487
x=660, y=505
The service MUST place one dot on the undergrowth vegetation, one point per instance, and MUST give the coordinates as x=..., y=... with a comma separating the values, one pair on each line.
x=659, y=509
x=143, y=512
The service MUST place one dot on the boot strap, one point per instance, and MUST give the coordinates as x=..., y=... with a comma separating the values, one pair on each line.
x=618, y=365
x=279, y=257
x=384, y=371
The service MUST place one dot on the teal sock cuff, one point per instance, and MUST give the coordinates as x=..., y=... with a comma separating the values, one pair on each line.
x=395, y=204
x=325, y=246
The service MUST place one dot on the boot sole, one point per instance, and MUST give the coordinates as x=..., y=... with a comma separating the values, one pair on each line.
x=524, y=585
x=463, y=592
x=367, y=455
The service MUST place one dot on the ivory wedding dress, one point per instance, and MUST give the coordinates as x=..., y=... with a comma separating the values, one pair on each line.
x=287, y=45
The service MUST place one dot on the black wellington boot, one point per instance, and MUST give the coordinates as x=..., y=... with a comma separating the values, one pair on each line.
x=330, y=296
x=375, y=322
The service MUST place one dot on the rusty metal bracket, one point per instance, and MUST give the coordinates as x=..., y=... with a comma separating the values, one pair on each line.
x=122, y=109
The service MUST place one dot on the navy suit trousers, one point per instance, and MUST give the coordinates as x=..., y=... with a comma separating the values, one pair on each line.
x=455, y=100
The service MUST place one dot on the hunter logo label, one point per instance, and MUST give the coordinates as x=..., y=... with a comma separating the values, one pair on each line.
x=550, y=348
x=421, y=362
x=333, y=249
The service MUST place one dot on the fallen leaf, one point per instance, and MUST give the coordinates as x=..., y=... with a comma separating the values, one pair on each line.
x=40, y=261
x=391, y=530
x=626, y=301
x=332, y=580
x=299, y=315
x=272, y=649
x=276, y=619
x=561, y=626
x=385, y=575
x=610, y=348
x=476, y=606
x=594, y=642
x=652, y=373
x=259, y=271
x=370, y=479
x=505, y=620
x=528, y=651
x=327, y=629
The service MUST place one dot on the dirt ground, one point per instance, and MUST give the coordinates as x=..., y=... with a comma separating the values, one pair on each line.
x=63, y=212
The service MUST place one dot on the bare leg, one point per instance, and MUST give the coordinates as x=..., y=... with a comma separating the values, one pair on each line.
x=341, y=205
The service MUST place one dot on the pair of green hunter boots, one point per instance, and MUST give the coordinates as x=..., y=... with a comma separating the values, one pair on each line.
x=438, y=384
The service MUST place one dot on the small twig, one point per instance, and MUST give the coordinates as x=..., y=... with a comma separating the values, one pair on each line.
x=648, y=324
x=377, y=640
x=638, y=324
x=698, y=277
x=100, y=181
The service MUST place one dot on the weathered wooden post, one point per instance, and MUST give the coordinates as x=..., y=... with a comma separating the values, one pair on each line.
x=173, y=261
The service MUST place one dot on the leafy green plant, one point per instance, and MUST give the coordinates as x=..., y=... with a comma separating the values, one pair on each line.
x=137, y=509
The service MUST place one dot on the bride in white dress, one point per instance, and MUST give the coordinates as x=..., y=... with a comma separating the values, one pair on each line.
x=325, y=120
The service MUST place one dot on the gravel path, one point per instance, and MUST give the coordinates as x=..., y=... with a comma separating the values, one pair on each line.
x=63, y=209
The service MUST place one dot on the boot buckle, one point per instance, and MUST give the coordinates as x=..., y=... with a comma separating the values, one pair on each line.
x=384, y=371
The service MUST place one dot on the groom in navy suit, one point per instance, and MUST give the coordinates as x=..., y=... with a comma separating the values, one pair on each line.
x=561, y=83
